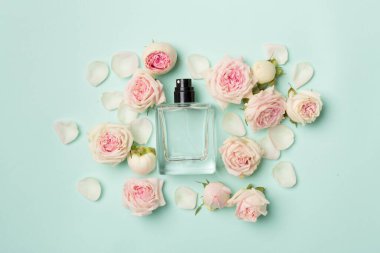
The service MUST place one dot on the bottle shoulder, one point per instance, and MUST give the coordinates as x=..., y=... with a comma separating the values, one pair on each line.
x=196, y=106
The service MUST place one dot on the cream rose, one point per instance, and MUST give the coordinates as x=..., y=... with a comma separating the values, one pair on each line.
x=110, y=143
x=264, y=71
x=143, y=196
x=143, y=91
x=250, y=204
x=241, y=156
x=142, y=160
x=304, y=106
x=215, y=195
x=230, y=81
x=265, y=109
x=159, y=58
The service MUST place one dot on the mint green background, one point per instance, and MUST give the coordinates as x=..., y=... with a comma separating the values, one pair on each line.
x=45, y=48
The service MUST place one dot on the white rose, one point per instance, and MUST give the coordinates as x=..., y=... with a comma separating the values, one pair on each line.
x=142, y=160
x=303, y=107
x=264, y=71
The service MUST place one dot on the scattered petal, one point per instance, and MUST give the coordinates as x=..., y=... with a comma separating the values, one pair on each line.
x=67, y=131
x=233, y=124
x=185, y=198
x=97, y=72
x=284, y=174
x=111, y=100
x=281, y=136
x=198, y=66
x=302, y=74
x=141, y=130
x=124, y=64
x=125, y=114
x=90, y=188
x=270, y=151
x=277, y=52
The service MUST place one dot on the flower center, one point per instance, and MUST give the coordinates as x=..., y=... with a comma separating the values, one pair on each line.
x=141, y=89
x=144, y=193
x=232, y=79
x=109, y=142
x=308, y=109
x=157, y=60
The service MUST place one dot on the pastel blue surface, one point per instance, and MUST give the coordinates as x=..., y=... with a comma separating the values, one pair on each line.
x=45, y=49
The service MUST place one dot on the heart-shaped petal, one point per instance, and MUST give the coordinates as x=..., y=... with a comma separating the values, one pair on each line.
x=185, y=198
x=197, y=66
x=67, y=131
x=270, y=151
x=90, y=188
x=124, y=64
x=233, y=124
x=111, y=100
x=302, y=74
x=141, y=130
x=277, y=52
x=125, y=114
x=281, y=136
x=97, y=72
x=284, y=174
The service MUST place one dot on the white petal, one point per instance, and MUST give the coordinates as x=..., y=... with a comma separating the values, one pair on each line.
x=233, y=124
x=281, y=136
x=125, y=114
x=270, y=151
x=277, y=52
x=124, y=64
x=284, y=174
x=97, y=72
x=141, y=130
x=67, y=131
x=185, y=198
x=111, y=100
x=198, y=66
x=302, y=74
x=90, y=188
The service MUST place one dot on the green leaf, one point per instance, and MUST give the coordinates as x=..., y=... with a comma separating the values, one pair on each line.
x=255, y=90
x=245, y=100
x=274, y=62
x=291, y=90
x=262, y=189
x=279, y=71
x=250, y=186
x=198, y=209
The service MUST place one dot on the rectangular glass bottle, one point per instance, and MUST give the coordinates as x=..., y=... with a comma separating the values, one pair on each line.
x=185, y=134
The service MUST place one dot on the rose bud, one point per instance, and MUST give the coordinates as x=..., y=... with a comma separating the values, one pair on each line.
x=159, y=58
x=264, y=71
x=215, y=195
x=142, y=160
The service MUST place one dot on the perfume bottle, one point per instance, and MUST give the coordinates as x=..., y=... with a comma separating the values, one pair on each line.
x=185, y=134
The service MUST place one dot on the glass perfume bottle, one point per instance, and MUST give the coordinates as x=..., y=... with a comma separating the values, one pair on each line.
x=185, y=134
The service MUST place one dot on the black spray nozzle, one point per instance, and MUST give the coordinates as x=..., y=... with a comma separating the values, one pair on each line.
x=184, y=92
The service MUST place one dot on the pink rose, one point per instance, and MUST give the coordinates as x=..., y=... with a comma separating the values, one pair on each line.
x=110, y=143
x=265, y=109
x=142, y=196
x=143, y=91
x=230, y=81
x=215, y=195
x=250, y=204
x=159, y=58
x=241, y=156
x=304, y=107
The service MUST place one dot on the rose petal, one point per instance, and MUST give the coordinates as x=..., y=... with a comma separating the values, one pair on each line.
x=67, y=131
x=270, y=151
x=284, y=174
x=111, y=100
x=277, y=52
x=185, y=198
x=125, y=114
x=124, y=64
x=90, y=188
x=141, y=130
x=233, y=124
x=302, y=74
x=198, y=66
x=97, y=72
x=281, y=136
